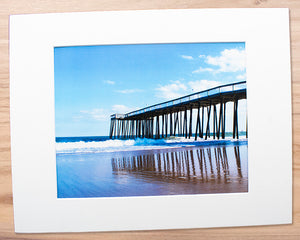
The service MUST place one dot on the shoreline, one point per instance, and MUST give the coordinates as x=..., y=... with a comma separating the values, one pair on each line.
x=171, y=145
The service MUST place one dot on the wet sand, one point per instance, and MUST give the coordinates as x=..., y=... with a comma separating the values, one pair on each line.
x=172, y=171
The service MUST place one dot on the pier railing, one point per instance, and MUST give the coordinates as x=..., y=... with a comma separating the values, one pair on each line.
x=203, y=94
x=117, y=115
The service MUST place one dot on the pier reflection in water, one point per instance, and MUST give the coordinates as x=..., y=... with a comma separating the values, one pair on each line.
x=188, y=171
x=155, y=172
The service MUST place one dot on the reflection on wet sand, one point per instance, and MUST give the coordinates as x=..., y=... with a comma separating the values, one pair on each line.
x=192, y=165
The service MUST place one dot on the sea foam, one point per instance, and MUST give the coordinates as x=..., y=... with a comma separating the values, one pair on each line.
x=81, y=146
x=117, y=145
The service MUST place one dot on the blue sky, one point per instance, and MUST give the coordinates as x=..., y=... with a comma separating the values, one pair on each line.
x=93, y=82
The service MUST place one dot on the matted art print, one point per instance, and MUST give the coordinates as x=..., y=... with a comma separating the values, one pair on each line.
x=139, y=120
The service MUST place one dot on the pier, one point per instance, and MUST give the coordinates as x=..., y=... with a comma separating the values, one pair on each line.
x=175, y=117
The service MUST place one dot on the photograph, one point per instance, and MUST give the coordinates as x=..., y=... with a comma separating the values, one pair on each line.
x=136, y=120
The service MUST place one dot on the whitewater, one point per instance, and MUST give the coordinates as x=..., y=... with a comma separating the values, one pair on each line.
x=82, y=145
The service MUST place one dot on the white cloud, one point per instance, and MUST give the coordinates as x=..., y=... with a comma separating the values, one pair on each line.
x=127, y=91
x=77, y=118
x=173, y=90
x=230, y=60
x=109, y=82
x=201, y=69
x=201, y=85
x=201, y=56
x=187, y=57
x=241, y=77
x=98, y=114
x=178, y=89
x=121, y=109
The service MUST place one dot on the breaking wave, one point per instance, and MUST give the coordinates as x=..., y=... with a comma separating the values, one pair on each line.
x=117, y=145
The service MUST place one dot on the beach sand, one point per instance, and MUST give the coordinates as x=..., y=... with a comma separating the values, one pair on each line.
x=172, y=171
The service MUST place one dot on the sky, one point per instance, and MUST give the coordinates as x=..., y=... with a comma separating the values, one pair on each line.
x=93, y=82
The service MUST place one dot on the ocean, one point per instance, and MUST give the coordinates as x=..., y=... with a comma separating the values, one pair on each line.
x=102, y=167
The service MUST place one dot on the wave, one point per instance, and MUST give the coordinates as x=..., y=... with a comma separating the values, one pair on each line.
x=109, y=146
x=117, y=145
x=101, y=146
